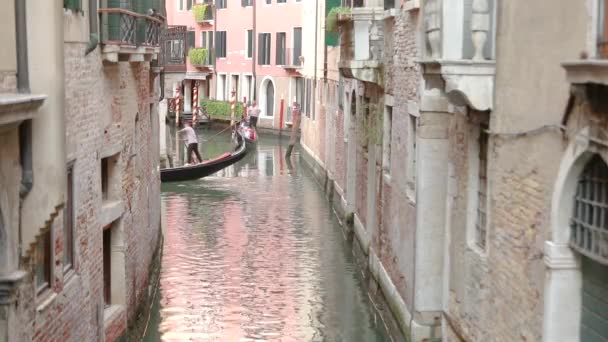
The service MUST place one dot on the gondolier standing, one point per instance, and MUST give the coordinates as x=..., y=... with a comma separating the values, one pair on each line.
x=192, y=142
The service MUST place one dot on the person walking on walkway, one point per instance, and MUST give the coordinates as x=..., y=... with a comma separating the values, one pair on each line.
x=192, y=142
x=253, y=113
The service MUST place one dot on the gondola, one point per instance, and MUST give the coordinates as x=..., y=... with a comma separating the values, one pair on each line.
x=208, y=167
x=249, y=134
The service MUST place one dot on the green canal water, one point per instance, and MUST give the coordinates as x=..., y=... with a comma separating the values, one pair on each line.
x=254, y=253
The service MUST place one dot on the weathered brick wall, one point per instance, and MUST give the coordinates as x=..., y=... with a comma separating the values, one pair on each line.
x=101, y=104
x=498, y=296
x=394, y=243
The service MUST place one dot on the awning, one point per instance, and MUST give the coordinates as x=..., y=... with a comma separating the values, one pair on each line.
x=196, y=75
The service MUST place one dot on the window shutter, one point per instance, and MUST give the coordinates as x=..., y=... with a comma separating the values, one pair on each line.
x=297, y=45
x=190, y=43
x=218, y=45
x=244, y=3
x=261, y=48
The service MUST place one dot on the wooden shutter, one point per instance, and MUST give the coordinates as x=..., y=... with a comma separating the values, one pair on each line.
x=260, y=48
x=249, y=43
x=297, y=45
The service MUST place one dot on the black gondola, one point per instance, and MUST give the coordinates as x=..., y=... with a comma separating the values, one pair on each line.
x=249, y=134
x=209, y=167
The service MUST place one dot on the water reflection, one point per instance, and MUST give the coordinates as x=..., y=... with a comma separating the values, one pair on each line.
x=253, y=253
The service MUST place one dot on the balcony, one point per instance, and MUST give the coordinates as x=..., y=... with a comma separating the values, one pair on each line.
x=362, y=41
x=290, y=59
x=129, y=36
x=173, y=49
x=203, y=13
x=460, y=50
x=202, y=58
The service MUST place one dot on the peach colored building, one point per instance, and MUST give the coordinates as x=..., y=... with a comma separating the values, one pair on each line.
x=254, y=49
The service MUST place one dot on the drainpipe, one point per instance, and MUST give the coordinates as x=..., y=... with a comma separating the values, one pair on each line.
x=314, y=85
x=253, y=51
x=23, y=78
x=93, y=34
x=25, y=129
x=325, y=48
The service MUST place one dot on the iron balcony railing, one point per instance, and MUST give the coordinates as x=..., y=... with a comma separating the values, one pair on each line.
x=124, y=27
x=290, y=57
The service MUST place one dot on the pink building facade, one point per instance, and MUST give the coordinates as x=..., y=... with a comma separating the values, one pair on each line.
x=254, y=49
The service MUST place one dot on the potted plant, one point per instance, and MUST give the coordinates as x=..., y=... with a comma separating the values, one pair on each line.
x=200, y=12
x=335, y=16
x=198, y=56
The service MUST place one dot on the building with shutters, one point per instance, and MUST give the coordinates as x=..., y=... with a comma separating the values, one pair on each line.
x=251, y=47
x=80, y=188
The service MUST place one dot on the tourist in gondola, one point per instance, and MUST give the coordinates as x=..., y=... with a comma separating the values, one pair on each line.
x=192, y=142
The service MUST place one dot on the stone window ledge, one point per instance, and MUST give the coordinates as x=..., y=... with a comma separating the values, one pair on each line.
x=15, y=108
x=114, y=53
x=46, y=300
x=467, y=82
x=587, y=71
x=411, y=5
x=8, y=285
x=110, y=212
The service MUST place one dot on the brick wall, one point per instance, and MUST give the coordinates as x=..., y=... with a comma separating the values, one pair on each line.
x=102, y=104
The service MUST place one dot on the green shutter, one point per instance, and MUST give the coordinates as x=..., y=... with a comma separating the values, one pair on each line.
x=74, y=5
x=331, y=39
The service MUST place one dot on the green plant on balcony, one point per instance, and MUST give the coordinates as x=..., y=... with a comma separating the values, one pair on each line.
x=220, y=109
x=200, y=12
x=333, y=17
x=198, y=56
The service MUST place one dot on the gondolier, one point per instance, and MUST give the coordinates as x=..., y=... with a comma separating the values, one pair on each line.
x=192, y=142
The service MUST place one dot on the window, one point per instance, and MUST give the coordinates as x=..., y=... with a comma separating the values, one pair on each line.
x=74, y=5
x=249, y=43
x=207, y=43
x=104, y=179
x=307, y=102
x=107, y=265
x=480, y=224
x=602, y=43
x=411, y=157
x=388, y=126
x=246, y=3
x=248, y=82
x=264, y=49
x=268, y=2
x=281, y=48
x=297, y=45
x=109, y=178
x=234, y=85
x=113, y=255
x=43, y=261
x=221, y=88
x=180, y=5
x=68, y=222
x=188, y=5
x=220, y=47
x=190, y=40
x=281, y=1
x=588, y=230
x=300, y=91
x=221, y=4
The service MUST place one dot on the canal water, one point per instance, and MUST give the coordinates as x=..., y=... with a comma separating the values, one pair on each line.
x=254, y=253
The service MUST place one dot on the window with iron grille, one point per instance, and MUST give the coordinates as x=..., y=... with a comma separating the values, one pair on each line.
x=482, y=191
x=589, y=220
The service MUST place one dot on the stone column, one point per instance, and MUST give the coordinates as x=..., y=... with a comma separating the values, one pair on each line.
x=431, y=190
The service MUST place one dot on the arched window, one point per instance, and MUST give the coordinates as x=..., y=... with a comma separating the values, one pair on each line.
x=589, y=220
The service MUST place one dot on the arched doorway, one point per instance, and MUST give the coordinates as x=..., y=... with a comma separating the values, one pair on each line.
x=269, y=110
x=266, y=99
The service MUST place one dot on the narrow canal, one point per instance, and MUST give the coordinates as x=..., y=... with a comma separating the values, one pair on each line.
x=254, y=253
